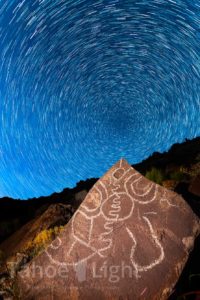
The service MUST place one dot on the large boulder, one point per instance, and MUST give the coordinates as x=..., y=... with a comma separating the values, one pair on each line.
x=55, y=215
x=129, y=239
x=21, y=246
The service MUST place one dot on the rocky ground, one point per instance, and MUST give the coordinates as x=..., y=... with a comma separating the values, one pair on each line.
x=27, y=227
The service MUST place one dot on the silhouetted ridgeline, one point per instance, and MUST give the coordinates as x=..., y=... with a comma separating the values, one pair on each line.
x=179, y=154
x=28, y=227
x=14, y=213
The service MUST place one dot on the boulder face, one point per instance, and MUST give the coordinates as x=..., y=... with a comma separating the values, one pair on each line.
x=55, y=215
x=129, y=239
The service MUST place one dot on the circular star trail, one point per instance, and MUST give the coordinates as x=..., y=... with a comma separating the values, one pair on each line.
x=83, y=83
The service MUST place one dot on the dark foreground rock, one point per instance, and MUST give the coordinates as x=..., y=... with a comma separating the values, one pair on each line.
x=55, y=215
x=27, y=242
x=195, y=186
x=130, y=239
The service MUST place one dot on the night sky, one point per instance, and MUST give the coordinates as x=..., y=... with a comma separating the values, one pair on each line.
x=83, y=83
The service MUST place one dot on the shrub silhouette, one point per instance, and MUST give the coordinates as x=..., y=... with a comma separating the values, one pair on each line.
x=155, y=175
x=177, y=176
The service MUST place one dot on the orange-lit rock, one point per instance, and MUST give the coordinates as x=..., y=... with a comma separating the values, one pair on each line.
x=129, y=239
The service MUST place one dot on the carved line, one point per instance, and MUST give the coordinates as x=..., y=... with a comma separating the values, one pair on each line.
x=110, y=221
x=145, y=268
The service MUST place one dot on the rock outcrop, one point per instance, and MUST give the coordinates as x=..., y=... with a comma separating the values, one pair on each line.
x=55, y=215
x=129, y=239
x=27, y=242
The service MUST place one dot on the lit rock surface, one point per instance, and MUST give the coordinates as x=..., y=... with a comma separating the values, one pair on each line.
x=55, y=215
x=129, y=239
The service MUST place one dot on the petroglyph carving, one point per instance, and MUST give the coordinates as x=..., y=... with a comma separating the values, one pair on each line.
x=124, y=222
x=108, y=205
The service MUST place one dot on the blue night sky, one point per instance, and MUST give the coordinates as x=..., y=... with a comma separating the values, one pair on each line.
x=83, y=83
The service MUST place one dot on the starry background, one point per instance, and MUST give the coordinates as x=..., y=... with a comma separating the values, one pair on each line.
x=85, y=82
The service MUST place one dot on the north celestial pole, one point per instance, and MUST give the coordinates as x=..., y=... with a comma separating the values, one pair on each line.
x=83, y=83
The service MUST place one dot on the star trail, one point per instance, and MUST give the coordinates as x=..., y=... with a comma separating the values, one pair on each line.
x=83, y=83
